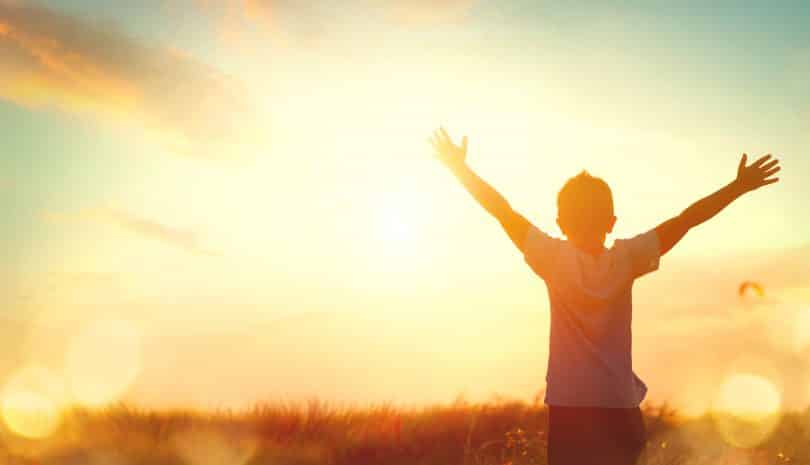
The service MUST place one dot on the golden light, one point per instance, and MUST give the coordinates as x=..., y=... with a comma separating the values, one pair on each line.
x=747, y=409
x=102, y=361
x=31, y=402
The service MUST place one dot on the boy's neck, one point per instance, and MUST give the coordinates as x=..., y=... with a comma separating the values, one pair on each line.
x=593, y=247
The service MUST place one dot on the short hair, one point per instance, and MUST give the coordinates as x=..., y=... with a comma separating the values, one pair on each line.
x=585, y=203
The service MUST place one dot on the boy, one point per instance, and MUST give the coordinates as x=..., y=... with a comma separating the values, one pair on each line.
x=592, y=393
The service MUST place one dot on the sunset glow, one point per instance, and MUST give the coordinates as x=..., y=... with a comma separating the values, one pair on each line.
x=246, y=189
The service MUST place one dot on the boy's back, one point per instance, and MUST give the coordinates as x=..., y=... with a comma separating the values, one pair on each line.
x=592, y=392
x=591, y=313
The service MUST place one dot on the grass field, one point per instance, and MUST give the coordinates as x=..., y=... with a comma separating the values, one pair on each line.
x=499, y=432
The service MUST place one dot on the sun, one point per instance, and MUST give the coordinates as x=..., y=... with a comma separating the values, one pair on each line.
x=402, y=220
x=400, y=229
x=403, y=217
x=397, y=228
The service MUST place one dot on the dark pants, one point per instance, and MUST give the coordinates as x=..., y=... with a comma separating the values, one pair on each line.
x=594, y=435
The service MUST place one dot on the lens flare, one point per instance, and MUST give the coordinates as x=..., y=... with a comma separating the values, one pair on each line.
x=31, y=403
x=746, y=409
x=102, y=361
x=751, y=289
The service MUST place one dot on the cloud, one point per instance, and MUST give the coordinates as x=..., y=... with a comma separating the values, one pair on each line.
x=48, y=59
x=185, y=239
x=430, y=11
x=279, y=22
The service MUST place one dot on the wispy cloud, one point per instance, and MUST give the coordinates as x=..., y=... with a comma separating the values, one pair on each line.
x=48, y=59
x=150, y=229
x=430, y=11
x=147, y=228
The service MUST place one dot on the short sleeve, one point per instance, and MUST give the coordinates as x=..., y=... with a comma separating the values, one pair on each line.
x=643, y=252
x=540, y=251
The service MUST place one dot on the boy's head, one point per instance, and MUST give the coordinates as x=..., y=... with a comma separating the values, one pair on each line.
x=585, y=209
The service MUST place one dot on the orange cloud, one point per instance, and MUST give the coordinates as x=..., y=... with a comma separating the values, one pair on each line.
x=282, y=22
x=48, y=59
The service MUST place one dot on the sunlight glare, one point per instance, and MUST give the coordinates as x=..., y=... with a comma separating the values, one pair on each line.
x=746, y=409
x=102, y=361
x=31, y=403
x=402, y=221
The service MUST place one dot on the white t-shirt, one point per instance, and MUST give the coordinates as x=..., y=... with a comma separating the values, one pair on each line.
x=590, y=343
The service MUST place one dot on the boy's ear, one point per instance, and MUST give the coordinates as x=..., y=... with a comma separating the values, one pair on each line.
x=611, y=224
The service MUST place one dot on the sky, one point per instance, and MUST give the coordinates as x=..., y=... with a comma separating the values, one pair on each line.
x=243, y=191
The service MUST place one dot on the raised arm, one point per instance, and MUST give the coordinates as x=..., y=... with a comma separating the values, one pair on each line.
x=454, y=157
x=749, y=178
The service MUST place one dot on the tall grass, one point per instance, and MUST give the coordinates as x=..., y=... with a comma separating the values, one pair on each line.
x=499, y=432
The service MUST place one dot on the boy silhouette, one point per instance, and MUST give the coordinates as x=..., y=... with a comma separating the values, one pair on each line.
x=592, y=393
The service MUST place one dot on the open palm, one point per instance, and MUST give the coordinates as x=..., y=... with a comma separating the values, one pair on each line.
x=446, y=151
x=757, y=174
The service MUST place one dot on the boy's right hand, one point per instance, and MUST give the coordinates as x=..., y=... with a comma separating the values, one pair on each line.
x=447, y=152
x=757, y=174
